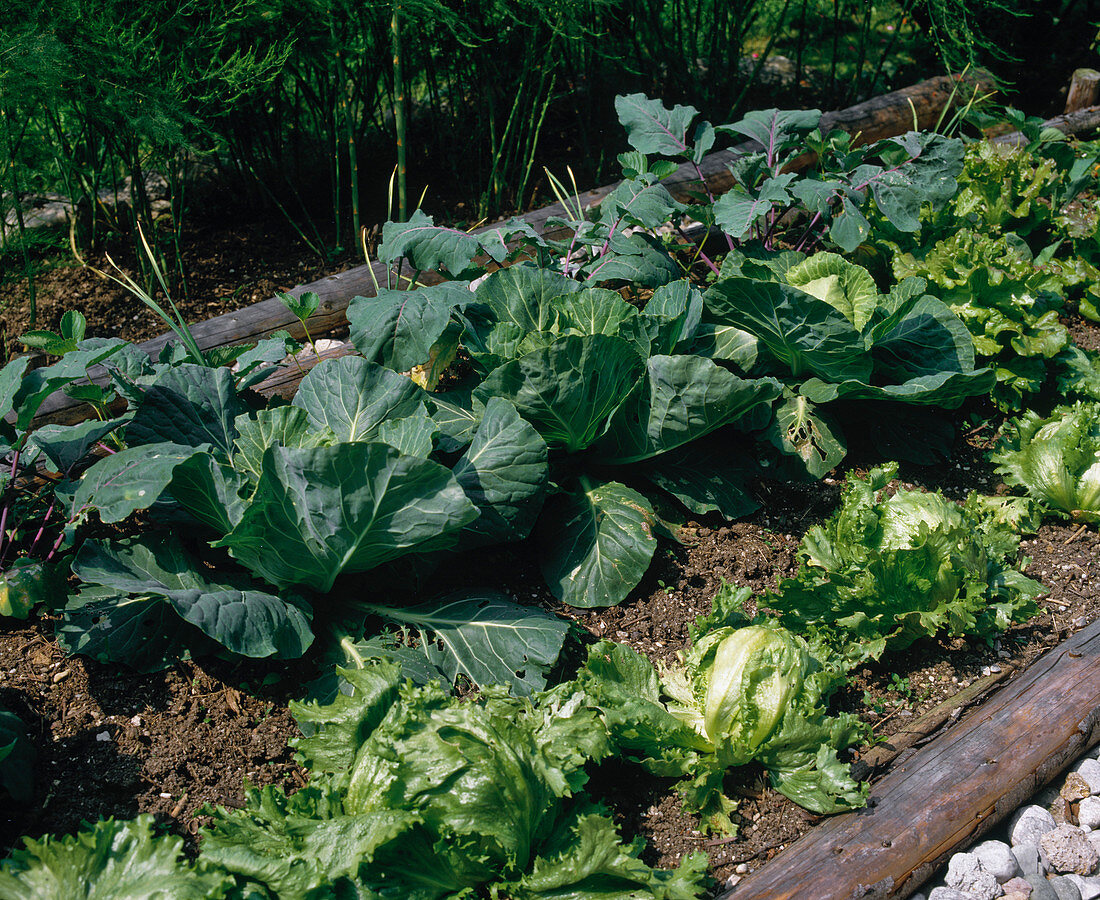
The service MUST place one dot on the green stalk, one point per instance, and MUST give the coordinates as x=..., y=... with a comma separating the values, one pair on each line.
x=399, y=113
x=28, y=267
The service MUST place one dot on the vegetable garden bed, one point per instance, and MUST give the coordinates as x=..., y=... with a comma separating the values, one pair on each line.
x=581, y=380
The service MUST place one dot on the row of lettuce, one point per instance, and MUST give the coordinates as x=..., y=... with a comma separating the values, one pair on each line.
x=584, y=410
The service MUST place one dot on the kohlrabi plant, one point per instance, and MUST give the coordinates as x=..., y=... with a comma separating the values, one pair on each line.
x=886, y=570
x=1056, y=459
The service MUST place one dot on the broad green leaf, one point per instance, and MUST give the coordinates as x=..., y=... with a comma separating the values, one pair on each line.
x=810, y=435
x=25, y=583
x=807, y=335
x=570, y=390
x=457, y=416
x=774, y=129
x=596, y=543
x=285, y=426
x=142, y=631
x=929, y=340
x=522, y=295
x=728, y=343
x=598, y=311
x=709, y=476
x=243, y=620
x=929, y=176
x=129, y=480
x=38, y=384
x=428, y=246
x=413, y=435
x=11, y=377
x=67, y=445
x=214, y=493
x=485, y=637
x=319, y=512
x=843, y=285
x=672, y=315
x=110, y=860
x=736, y=211
x=188, y=404
x=354, y=397
x=849, y=227
x=640, y=204
x=638, y=258
x=651, y=128
x=504, y=474
x=399, y=328
x=682, y=398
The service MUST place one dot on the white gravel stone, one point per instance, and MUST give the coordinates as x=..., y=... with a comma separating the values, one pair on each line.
x=965, y=873
x=1030, y=859
x=996, y=858
x=1089, y=886
x=1088, y=813
x=1089, y=769
x=1029, y=825
x=1069, y=850
x=948, y=893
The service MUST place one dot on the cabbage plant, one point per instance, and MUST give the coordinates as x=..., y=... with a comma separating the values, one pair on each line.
x=820, y=325
x=1056, y=459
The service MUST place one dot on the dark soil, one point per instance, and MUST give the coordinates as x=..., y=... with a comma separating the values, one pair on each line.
x=112, y=743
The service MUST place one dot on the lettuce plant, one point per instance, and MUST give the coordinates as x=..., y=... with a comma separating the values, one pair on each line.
x=885, y=571
x=417, y=794
x=1009, y=301
x=744, y=691
x=1056, y=459
x=110, y=860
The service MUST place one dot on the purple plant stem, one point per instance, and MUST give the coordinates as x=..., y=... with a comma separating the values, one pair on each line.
x=7, y=506
x=56, y=545
x=102, y=446
x=702, y=255
x=42, y=527
x=809, y=229
x=710, y=196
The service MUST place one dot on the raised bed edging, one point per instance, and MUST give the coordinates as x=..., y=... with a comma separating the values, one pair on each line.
x=951, y=791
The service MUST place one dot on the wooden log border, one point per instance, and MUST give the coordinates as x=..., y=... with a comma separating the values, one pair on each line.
x=951, y=791
x=883, y=116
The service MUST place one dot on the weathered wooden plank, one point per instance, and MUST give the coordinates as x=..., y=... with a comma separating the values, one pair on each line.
x=1071, y=123
x=879, y=117
x=951, y=791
